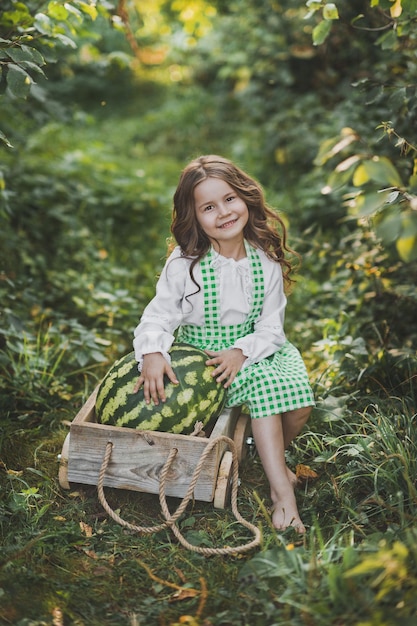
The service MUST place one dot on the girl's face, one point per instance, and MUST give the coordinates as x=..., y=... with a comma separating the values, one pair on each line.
x=221, y=213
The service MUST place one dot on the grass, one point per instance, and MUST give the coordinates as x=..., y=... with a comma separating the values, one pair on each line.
x=65, y=562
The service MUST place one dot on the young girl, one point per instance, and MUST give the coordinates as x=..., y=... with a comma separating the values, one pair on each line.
x=222, y=289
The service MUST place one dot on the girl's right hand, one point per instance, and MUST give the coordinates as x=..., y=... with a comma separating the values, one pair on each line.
x=154, y=367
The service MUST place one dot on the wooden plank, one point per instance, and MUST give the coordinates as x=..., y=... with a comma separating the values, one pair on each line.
x=226, y=422
x=87, y=412
x=138, y=457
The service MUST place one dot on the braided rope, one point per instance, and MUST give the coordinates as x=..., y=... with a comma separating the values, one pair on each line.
x=170, y=519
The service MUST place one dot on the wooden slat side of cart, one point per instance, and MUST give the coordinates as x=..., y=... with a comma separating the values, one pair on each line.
x=138, y=456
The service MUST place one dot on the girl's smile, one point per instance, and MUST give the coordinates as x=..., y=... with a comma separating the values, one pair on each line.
x=221, y=213
x=228, y=224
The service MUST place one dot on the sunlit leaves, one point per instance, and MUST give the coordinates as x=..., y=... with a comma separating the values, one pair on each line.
x=20, y=57
x=334, y=145
x=329, y=13
x=387, y=568
x=402, y=13
x=18, y=16
x=321, y=32
x=57, y=11
x=379, y=187
x=396, y=8
x=380, y=170
x=406, y=243
x=196, y=16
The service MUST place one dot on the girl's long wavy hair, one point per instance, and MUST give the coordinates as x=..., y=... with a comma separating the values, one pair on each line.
x=264, y=230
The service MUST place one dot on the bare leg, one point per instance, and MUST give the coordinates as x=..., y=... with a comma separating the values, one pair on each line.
x=292, y=424
x=269, y=438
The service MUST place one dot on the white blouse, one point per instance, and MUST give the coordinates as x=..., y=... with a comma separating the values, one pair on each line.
x=170, y=308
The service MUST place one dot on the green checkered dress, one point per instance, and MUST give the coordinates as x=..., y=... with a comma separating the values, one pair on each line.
x=276, y=384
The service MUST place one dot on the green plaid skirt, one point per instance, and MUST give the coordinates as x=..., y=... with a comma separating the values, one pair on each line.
x=276, y=384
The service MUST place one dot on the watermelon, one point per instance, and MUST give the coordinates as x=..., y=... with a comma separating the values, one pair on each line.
x=197, y=397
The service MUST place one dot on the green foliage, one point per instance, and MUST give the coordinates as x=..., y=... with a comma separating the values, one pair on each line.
x=28, y=37
x=363, y=584
x=381, y=188
x=100, y=128
x=376, y=190
x=393, y=17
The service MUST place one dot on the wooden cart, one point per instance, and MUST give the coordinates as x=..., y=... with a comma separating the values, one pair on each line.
x=138, y=457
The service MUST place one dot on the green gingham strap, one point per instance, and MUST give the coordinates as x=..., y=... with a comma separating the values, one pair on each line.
x=211, y=287
x=257, y=283
x=211, y=292
x=212, y=334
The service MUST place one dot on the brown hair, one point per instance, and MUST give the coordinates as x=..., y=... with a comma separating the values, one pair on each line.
x=264, y=230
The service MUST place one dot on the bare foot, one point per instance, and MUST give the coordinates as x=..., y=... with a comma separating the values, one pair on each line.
x=285, y=513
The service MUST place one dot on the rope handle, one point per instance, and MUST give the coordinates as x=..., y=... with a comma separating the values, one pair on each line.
x=170, y=520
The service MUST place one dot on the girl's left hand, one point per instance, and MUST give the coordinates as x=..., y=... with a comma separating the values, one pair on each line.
x=227, y=364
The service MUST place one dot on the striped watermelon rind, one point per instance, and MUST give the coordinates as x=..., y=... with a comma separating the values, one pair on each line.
x=197, y=397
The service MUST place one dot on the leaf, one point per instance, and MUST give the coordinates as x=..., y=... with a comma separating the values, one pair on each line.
x=348, y=163
x=184, y=594
x=189, y=620
x=406, y=244
x=89, y=9
x=314, y=5
x=378, y=169
x=396, y=9
x=25, y=53
x=389, y=228
x=388, y=40
x=18, y=81
x=86, y=529
x=66, y=41
x=304, y=472
x=4, y=139
x=330, y=11
x=11, y=472
x=409, y=224
x=268, y=564
x=321, y=32
x=369, y=203
x=333, y=146
x=43, y=24
x=361, y=176
x=57, y=11
x=407, y=248
x=32, y=66
x=409, y=5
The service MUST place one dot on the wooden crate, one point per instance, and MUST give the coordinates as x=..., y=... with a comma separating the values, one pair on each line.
x=138, y=456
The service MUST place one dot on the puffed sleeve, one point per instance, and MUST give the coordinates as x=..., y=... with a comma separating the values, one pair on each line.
x=268, y=335
x=164, y=313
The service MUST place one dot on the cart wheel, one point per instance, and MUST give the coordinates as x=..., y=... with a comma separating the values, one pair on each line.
x=63, y=464
x=242, y=431
x=224, y=481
